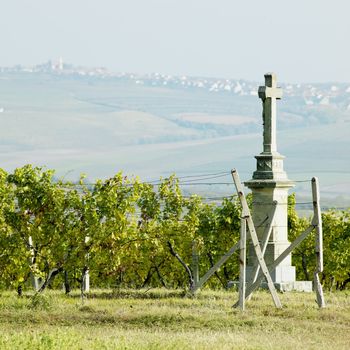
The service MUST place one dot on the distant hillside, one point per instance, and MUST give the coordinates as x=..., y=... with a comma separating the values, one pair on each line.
x=90, y=120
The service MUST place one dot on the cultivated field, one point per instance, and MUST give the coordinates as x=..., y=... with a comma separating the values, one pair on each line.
x=99, y=127
x=164, y=319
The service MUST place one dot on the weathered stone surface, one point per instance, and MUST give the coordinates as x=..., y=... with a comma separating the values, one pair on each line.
x=269, y=94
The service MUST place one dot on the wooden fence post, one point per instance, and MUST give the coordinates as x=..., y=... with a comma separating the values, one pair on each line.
x=242, y=263
x=86, y=274
x=34, y=280
x=195, y=262
x=317, y=221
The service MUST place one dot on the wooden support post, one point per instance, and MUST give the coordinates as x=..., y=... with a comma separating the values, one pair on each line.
x=195, y=263
x=211, y=272
x=317, y=221
x=86, y=281
x=264, y=242
x=250, y=289
x=265, y=239
x=242, y=263
x=86, y=274
x=34, y=280
x=221, y=261
x=255, y=240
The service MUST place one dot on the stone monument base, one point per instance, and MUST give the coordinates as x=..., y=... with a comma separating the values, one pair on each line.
x=281, y=274
x=296, y=286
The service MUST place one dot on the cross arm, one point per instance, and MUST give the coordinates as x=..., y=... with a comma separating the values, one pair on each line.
x=266, y=92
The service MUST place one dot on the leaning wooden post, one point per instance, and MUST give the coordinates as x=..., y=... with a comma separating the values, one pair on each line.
x=242, y=263
x=254, y=238
x=317, y=221
x=213, y=269
x=264, y=242
x=251, y=287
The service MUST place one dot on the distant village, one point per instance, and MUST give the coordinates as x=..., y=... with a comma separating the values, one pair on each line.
x=326, y=94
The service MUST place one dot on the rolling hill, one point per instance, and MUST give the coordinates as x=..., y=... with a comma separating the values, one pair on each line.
x=101, y=124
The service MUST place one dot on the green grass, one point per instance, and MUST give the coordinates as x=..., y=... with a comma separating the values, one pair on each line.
x=163, y=319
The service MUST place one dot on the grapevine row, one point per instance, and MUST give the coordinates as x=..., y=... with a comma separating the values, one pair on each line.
x=125, y=232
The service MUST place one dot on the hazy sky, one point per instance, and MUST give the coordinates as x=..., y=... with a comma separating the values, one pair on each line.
x=300, y=40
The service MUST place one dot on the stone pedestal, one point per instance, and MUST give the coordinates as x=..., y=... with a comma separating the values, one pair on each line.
x=268, y=185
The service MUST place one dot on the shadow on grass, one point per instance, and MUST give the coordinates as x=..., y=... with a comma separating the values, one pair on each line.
x=133, y=294
x=149, y=294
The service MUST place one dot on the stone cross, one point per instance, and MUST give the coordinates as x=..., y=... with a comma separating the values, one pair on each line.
x=269, y=94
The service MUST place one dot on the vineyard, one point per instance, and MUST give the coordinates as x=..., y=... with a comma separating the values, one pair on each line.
x=126, y=233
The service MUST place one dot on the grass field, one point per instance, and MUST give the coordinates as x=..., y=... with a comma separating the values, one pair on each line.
x=163, y=319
